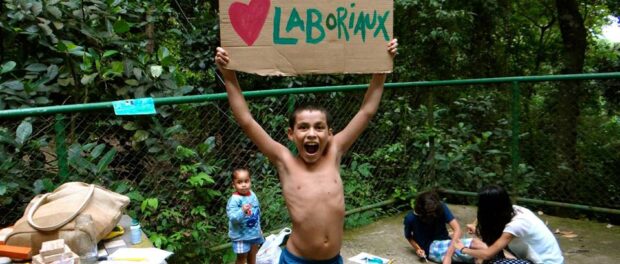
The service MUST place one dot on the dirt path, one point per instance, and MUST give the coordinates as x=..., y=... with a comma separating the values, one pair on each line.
x=594, y=242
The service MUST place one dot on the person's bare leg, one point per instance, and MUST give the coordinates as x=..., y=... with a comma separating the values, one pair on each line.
x=241, y=258
x=252, y=254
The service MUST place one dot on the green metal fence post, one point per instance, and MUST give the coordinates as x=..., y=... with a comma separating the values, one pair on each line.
x=61, y=148
x=516, y=110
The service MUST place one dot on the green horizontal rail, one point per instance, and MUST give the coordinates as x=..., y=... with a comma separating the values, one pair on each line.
x=545, y=202
x=49, y=110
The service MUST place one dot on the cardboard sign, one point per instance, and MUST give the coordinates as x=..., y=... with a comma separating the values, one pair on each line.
x=291, y=37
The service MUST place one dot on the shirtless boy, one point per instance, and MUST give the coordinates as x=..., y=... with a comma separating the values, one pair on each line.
x=311, y=182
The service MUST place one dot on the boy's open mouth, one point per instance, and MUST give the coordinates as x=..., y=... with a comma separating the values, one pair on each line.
x=311, y=148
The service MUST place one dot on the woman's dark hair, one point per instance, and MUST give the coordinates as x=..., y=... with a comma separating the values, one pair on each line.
x=428, y=207
x=494, y=212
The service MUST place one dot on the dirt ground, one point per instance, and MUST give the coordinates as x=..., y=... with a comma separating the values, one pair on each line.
x=581, y=241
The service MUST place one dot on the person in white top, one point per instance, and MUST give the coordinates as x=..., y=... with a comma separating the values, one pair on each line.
x=501, y=225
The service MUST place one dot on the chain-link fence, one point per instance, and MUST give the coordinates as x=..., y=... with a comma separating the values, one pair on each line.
x=175, y=166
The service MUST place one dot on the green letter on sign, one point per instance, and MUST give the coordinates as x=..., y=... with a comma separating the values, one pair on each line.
x=276, y=31
x=312, y=23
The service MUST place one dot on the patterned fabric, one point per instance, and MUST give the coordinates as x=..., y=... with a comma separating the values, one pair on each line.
x=438, y=249
x=244, y=246
x=511, y=261
x=288, y=258
x=243, y=226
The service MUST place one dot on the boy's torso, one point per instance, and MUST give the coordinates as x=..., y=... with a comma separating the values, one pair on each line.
x=314, y=197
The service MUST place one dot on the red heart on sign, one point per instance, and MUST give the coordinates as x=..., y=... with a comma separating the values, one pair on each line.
x=248, y=20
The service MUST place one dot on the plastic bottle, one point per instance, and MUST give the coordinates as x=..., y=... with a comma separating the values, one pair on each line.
x=136, y=232
x=86, y=244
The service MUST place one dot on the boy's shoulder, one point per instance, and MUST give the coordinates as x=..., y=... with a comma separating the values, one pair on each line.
x=410, y=217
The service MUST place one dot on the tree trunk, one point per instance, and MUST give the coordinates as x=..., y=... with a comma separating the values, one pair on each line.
x=567, y=109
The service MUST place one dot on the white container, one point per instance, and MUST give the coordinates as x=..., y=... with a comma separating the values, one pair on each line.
x=136, y=232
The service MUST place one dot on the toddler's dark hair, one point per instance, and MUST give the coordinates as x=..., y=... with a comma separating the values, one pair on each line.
x=233, y=175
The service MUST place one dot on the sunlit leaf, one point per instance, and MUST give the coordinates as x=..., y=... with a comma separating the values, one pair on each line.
x=54, y=11
x=156, y=70
x=140, y=135
x=7, y=67
x=24, y=130
x=109, y=53
x=88, y=78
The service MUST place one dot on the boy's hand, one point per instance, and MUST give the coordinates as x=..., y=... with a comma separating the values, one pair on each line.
x=421, y=253
x=221, y=58
x=393, y=47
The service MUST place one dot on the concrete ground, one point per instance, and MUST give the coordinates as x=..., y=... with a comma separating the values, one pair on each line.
x=581, y=241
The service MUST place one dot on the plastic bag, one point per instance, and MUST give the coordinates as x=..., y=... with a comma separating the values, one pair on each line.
x=269, y=252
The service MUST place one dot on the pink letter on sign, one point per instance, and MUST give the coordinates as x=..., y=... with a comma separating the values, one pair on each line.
x=248, y=20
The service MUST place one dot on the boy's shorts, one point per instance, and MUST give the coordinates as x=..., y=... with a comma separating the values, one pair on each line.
x=288, y=258
x=244, y=246
x=439, y=248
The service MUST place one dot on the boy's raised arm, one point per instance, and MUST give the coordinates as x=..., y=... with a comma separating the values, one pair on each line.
x=242, y=114
x=345, y=138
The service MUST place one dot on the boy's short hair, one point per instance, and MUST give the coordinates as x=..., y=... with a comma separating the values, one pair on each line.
x=308, y=107
x=428, y=207
x=233, y=175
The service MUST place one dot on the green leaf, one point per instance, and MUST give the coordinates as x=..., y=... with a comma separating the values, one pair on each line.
x=7, y=67
x=140, y=135
x=36, y=67
x=2, y=189
x=15, y=85
x=109, y=53
x=120, y=26
x=58, y=25
x=117, y=67
x=135, y=195
x=54, y=11
x=88, y=78
x=151, y=203
x=36, y=8
x=97, y=151
x=132, y=82
x=24, y=130
x=156, y=70
x=106, y=160
x=121, y=188
x=200, y=179
x=164, y=56
x=131, y=126
x=41, y=100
